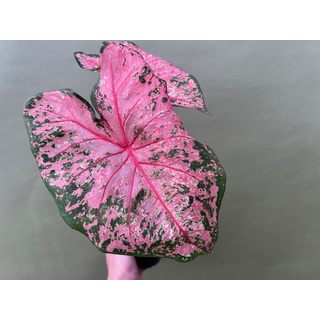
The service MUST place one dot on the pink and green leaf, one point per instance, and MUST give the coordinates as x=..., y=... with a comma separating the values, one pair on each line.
x=183, y=88
x=134, y=181
x=88, y=61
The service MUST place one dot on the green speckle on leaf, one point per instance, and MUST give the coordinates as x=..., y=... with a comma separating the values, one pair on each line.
x=172, y=153
x=195, y=165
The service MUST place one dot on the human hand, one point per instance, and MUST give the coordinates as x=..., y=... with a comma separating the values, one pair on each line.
x=122, y=267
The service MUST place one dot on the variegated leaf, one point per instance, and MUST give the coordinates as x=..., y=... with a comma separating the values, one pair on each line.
x=134, y=181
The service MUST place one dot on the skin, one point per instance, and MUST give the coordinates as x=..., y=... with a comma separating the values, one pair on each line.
x=121, y=267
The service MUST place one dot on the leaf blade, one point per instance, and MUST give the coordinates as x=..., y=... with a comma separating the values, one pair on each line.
x=134, y=182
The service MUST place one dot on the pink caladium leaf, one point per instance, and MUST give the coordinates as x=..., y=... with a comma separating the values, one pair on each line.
x=133, y=181
x=183, y=89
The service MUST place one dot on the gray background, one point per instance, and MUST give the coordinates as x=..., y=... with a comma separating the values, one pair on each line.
x=265, y=98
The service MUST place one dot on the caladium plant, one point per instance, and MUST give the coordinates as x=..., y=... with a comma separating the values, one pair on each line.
x=131, y=179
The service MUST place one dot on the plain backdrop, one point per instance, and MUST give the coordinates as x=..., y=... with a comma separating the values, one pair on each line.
x=265, y=99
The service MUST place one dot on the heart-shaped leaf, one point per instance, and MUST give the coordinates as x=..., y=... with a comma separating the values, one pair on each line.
x=183, y=88
x=134, y=181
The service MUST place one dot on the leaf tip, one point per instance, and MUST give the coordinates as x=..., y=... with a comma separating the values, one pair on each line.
x=208, y=113
x=87, y=61
x=77, y=56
